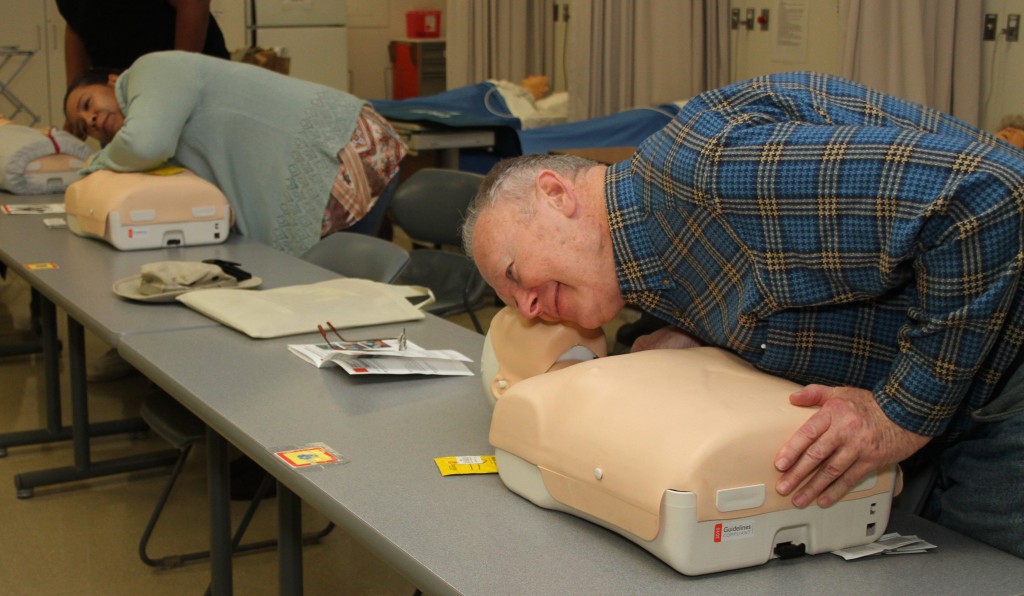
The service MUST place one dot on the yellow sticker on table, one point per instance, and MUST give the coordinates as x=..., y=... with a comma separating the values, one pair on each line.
x=40, y=266
x=308, y=456
x=456, y=465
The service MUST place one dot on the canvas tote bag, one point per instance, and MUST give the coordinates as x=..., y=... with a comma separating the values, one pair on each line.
x=292, y=310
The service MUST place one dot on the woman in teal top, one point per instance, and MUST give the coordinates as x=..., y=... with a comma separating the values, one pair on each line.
x=296, y=160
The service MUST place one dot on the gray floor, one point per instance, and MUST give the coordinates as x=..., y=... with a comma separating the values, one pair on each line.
x=81, y=538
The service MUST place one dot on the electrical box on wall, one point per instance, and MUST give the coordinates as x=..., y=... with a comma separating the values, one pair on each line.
x=988, y=32
x=1012, y=27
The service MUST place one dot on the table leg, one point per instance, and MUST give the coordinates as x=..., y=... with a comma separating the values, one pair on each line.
x=289, y=532
x=218, y=479
x=50, y=344
x=84, y=467
x=55, y=430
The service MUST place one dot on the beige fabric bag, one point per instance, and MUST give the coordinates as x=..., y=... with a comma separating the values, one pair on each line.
x=291, y=310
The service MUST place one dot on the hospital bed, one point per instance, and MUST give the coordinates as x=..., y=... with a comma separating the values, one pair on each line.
x=477, y=125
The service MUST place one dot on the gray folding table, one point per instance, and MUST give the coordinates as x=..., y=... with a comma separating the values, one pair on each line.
x=469, y=534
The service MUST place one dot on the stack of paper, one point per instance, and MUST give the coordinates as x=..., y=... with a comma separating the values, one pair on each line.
x=32, y=208
x=383, y=357
x=890, y=544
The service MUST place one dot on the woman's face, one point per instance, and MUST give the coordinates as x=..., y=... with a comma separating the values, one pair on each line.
x=92, y=110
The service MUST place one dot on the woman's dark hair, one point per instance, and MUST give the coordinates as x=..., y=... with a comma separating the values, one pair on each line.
x=90, y=76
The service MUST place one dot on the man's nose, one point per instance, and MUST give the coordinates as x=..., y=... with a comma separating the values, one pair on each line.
x=528, y=303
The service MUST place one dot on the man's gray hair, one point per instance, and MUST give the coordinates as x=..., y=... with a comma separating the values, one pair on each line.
x=512, y=179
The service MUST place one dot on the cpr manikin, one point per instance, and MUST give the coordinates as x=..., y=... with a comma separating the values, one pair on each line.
x=516, y=348
x=672, y=449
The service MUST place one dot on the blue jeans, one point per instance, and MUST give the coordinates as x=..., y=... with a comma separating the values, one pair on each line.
x=980, y=487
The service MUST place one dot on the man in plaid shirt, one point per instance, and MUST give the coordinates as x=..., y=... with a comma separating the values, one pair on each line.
x=862, y=245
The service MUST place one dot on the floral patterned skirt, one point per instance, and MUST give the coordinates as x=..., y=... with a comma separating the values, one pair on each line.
x=366, y=165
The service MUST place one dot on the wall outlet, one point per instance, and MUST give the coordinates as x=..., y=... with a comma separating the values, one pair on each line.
x=1012, y=27
x=988, y=32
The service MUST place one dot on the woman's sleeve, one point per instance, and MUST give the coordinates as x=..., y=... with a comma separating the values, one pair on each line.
x=157, y=96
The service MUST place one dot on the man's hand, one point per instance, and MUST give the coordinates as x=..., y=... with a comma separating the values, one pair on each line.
x=664, y=338
x=841, y=443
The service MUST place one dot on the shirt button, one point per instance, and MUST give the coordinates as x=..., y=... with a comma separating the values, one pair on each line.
x=764, y=346
x=665, y=282
x=677, y=313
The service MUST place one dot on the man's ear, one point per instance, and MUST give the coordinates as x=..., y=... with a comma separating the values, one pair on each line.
x=111, y=79
x=557, y=192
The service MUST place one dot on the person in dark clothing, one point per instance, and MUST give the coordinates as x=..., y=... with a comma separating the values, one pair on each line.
x=114, y=33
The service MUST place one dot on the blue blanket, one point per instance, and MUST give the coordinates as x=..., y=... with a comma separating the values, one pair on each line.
x=482, y=106
x=464, y=107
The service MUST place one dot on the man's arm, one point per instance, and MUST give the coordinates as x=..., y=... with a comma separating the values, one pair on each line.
x=76, y=59
x=190, y=24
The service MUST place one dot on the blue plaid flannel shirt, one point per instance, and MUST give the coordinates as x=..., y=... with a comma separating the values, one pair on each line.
x=828, y=233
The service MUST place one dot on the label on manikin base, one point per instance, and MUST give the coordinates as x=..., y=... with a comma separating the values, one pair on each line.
x=734, y=530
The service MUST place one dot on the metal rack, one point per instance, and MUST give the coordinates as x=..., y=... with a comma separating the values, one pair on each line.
x=12, y=61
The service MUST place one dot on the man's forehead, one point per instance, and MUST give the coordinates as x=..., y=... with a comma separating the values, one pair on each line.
x=488, y=233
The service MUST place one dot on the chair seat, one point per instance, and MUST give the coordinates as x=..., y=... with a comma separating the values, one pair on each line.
x=171, y=420
x=358, y=255
x=446, y=274
x=430, y=207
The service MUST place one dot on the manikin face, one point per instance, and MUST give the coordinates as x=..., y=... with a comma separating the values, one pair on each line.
x=554, y=263
x=93, y=111
x=516, y=349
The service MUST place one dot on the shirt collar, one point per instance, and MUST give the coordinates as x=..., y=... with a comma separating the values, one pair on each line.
x=638, y=266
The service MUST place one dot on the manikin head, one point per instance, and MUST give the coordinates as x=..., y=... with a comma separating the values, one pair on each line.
x=517, y=348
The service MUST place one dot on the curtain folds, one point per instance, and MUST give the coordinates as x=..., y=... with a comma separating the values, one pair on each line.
x=928, y=51
x=498, y=39
x=629, y=53
x=619, y=54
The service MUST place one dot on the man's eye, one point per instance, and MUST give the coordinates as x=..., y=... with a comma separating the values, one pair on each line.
x=508, y=272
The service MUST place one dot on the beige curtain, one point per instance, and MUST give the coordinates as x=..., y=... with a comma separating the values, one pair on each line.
x=629, y=53
x=928, y=51
x=498, y=39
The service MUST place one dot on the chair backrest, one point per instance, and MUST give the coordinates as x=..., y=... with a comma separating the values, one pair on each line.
x=372, y=221
x=359, y=255
x=431, y=205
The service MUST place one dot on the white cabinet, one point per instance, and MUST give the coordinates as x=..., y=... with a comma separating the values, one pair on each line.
x=35, y=26
x=312, y=33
